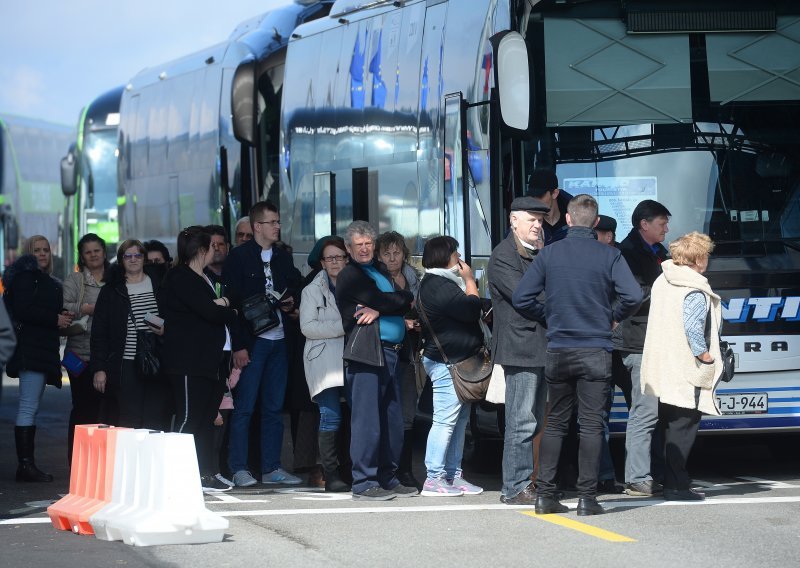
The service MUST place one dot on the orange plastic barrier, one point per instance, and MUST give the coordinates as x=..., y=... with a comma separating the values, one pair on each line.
x=91, y=478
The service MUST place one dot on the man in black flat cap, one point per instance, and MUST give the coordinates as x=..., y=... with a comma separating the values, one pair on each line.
x=606, y=230
x=518, y=345
x=543, y=185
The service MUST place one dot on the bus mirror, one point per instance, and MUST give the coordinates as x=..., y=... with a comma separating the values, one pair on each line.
x=512, y=81
x=11, y=230
x=68, y=185
x=243, y=102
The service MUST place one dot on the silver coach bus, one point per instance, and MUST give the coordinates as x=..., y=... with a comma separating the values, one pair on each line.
x=182, y=159
x=405, y=114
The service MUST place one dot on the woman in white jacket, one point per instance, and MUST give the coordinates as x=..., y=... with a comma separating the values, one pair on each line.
x=681, y=362
x=321, y=324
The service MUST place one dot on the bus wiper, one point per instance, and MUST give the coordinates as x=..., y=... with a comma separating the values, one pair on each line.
x=791, y=243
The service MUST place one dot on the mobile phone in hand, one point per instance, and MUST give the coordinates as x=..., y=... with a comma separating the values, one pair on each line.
x=153, y=320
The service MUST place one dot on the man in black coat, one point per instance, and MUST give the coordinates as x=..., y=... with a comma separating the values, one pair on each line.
x=518, y=345
x=367, y=299
x=589, y=289
x=543, y=185
x=255, y=267
x=644, y=253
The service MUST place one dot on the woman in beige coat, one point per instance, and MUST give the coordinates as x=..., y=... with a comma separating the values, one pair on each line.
x=81, y=290
x=321, y=324
x=681, y=362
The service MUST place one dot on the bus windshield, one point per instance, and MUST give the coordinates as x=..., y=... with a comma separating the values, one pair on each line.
x=740, y=195
x=100, y=152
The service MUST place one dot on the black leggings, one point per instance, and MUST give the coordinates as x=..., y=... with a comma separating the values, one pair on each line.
x=197, y=401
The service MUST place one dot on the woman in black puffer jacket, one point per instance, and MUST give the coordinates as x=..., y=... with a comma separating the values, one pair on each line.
x=34, y=300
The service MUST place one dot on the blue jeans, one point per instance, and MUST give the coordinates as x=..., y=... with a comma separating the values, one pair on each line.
x=330, y=409
x=265, y=376
x=642, y=420
x=376, y=422
x=31, y=389
x=526, y=397
x=445, y=447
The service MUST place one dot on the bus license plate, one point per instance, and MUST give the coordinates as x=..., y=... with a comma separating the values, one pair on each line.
x=743, y=403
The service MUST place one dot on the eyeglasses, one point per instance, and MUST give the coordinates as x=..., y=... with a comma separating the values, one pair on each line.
x=270, y=223
x=334, y=258
x=134, y=256
x=246, y=236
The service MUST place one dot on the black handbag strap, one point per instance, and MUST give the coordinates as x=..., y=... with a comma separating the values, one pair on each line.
x=430, y=327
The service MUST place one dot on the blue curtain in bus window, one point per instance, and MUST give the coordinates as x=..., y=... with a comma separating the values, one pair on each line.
x=597, y=74
x=755, y=66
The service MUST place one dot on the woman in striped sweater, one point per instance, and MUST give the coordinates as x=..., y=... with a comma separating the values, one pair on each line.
x=128, y=294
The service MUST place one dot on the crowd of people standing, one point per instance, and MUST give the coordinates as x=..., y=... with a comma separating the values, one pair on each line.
x=370, y=330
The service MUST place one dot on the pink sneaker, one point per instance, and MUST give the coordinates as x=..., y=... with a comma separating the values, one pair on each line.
x=439, y=487
x=465, y=486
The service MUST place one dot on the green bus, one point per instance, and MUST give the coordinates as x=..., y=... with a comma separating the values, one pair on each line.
x=30, y=200
x=89, y=175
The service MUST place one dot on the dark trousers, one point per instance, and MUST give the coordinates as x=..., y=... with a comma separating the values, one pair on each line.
x=140, y=404
x=376, y=422
x=680, y=430
x=86, y=403
x=582, y=377
x=196, y=404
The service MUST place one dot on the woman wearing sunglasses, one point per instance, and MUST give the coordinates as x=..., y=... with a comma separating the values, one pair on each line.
x=128, y=295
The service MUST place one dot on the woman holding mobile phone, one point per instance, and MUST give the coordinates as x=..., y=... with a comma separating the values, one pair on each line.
x=195, y=336
x=129, y=292
x=448, y=296
x=81, y=290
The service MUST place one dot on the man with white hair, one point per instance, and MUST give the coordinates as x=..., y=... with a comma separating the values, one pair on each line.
x=518, y=345
x=365, y=295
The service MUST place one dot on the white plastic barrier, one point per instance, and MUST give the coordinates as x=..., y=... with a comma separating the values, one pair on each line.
x=157, y=497
x=123, y=491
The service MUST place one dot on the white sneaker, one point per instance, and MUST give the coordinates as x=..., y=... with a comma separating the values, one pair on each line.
x=280, y=477
x=243, y=478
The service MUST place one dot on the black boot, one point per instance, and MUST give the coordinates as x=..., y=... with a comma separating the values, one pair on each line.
x=330, y=463
x=27, y=470
x=404, y=473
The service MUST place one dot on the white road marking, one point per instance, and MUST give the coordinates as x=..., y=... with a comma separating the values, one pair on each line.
x=609, y=504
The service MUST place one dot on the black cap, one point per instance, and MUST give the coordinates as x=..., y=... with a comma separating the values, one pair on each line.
x=528, y=203
x=606, y=223
x=542, y=181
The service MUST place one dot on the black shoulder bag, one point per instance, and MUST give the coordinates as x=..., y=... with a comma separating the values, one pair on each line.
x=470, y=376
x=146, y=360
x=260, y=312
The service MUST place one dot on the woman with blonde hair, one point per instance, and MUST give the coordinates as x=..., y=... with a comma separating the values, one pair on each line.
x=681, y=361
x=34, y=299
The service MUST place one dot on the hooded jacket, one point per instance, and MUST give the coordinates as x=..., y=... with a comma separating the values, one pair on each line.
x=34, y=300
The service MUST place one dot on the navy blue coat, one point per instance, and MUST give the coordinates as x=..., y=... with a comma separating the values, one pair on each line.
x=587, y=285
x=243, y=275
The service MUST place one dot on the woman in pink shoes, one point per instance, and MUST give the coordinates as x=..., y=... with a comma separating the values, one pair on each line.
x=448, y=295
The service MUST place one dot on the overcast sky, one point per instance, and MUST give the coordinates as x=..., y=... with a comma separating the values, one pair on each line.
x=56, y=56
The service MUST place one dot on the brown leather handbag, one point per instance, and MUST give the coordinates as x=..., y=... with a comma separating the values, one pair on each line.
x=470, y=376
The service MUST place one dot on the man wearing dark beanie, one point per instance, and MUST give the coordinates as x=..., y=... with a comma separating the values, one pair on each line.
x=543, y=185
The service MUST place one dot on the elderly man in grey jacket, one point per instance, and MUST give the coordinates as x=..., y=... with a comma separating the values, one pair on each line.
x=519, y=345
